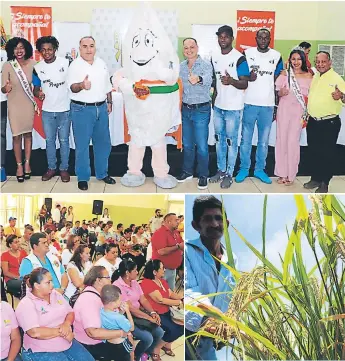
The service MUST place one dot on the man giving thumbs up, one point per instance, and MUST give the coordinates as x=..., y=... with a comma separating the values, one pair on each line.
x=91, y=102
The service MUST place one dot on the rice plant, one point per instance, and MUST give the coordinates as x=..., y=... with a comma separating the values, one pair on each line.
x=289, y=313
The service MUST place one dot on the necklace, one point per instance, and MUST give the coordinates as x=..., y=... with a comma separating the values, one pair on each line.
x=159, y=284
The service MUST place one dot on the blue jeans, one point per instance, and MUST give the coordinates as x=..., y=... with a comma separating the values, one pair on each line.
x=60, y=123
x=226, y=124
x=170, y=276
x=173, y=331
x=195, y=132
x=148, y=340
x=76, y=352
x=91, y=122
x=263, y=116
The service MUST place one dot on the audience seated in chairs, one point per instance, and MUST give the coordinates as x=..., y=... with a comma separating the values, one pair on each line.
x=46, y=319
x=161, y=297
x=76, y=270
x=10, y=262
x=110, y=260
x=87, y=324
x=147, y=321
x=10, y=336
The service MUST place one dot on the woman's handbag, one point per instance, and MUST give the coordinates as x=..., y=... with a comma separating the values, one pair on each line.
x=177, y=314
x=144, y=324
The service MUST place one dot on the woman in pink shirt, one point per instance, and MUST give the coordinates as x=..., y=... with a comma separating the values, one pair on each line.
x=46, y=319
x=150, y=340
x=10, y=335
x=87, y=323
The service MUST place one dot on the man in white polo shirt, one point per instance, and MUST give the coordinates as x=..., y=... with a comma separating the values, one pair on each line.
x=231, y=73
x=265, y=65
x=49, y=80
x=91, y=102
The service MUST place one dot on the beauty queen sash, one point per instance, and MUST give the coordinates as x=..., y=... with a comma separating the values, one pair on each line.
x=299, y=96
x=24, y=83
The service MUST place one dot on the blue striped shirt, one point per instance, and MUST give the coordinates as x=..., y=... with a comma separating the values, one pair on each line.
x=198, y=93
x=202, y=278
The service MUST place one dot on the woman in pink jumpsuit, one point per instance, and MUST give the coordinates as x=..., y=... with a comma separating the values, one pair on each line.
x=289, y=115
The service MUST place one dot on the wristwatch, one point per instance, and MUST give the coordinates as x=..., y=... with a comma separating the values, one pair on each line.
x=109, y=102
x=152, y=313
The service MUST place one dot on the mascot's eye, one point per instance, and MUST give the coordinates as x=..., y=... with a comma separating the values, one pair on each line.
x=136, y=41
x=149, y=40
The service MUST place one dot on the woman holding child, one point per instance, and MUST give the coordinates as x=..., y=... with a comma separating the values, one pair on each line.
x=88, y=328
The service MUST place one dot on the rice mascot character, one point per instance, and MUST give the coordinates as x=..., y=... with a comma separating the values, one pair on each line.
x=148, y=82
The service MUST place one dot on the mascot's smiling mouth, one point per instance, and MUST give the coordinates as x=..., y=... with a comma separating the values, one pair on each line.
x=143, y=62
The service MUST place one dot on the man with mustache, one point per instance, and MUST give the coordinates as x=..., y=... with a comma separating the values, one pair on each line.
x=325, y=101
x=204, y=274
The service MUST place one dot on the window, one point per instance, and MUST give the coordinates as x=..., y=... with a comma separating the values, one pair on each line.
x=337, y=55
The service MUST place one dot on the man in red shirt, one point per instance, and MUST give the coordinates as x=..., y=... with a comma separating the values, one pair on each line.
x=168, y=246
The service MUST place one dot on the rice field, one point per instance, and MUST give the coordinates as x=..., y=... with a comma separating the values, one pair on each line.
x=288, y=312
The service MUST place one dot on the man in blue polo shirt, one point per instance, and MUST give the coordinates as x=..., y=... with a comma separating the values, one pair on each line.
x=265, y=65
x=196, y=75
x=231, y=73
x=40, y=257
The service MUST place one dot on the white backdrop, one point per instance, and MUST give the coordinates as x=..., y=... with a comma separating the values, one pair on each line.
x=69, y=35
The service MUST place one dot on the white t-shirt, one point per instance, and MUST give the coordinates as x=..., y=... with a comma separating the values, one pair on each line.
x=111, y=268
x=105, y=219
x=53, y=250
x=3, y=55
x=98, y=76
x=66, y=256
x=52, y=78
x=261, y=91
x=56, y=215
x=155, y=223
x=229, y=97
x=70, y=290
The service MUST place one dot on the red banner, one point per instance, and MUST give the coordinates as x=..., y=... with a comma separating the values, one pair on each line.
x=248, y=23
x=31, y=23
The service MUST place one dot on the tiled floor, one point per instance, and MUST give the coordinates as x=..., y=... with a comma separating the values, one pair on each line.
x=250, y=185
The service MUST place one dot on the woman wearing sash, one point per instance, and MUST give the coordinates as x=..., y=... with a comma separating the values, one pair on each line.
x=292, y=87
x=16, y=83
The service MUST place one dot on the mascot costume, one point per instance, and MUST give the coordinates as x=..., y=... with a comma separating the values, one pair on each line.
x=148, y=81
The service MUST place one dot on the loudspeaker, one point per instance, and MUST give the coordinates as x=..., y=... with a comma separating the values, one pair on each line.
x=48, y=203
x=97, y=207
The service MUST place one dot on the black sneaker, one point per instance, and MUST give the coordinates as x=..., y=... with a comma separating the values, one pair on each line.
x=202, y=184
x=217, y=177
x=226, y=182
x=183, y=177
x=322, y=189
x=312, y=184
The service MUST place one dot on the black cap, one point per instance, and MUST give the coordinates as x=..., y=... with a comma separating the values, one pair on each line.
x=225, y=29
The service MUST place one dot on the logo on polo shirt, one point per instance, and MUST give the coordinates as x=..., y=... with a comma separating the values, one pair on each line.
x=271, y=61
x=231, y=65
x=60, y=302
x=252, y=59
x=43, y=311
x=42, y=71
x=7, y=322
x=56, y=263
x=62, y=70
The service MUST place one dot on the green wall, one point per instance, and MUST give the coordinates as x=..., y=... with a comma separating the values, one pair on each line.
x=125, y=215
x=284, y=47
